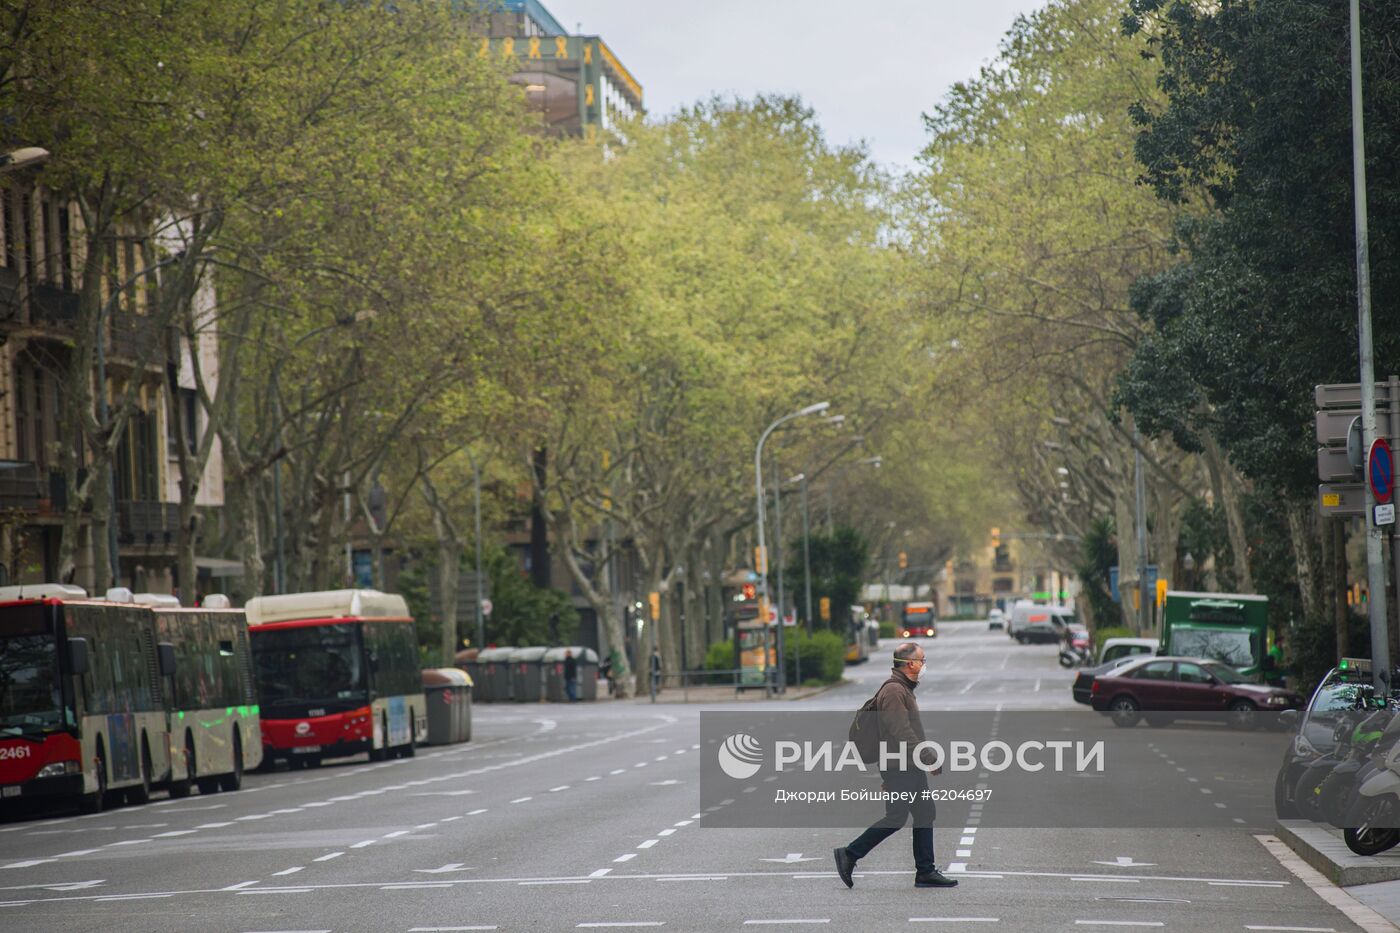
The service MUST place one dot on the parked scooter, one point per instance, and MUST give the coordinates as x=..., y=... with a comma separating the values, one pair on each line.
x=1372, y=817
x=1076, y=652
x=1337, y=793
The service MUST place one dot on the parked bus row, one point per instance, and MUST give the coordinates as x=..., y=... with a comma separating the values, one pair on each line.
x=108, y=699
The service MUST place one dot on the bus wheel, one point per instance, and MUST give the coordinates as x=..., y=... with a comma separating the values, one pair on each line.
x=234, y=779
x=141, y=793
x=93, y=803
x=182, y=788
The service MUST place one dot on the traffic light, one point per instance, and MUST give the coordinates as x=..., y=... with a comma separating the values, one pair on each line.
x=750, y=591
x=903, y=561
x=655, y=599
x=996, y=537
x=760, y=560
x=826, y=608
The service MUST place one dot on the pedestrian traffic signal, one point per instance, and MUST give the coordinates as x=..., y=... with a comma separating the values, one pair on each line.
x=903, y=561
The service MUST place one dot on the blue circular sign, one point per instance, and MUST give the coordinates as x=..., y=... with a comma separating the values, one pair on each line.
x=1380, y=468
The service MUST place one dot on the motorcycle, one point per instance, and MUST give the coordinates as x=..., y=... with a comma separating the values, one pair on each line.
x=1337, y=793
x=1076, y=653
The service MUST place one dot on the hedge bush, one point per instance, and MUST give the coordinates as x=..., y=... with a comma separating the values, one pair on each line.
x=720, y=657
x=887, y=630
x=823, y=656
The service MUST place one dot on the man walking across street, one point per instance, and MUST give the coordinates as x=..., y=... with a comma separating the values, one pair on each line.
x=897, y=713
x=571, y=676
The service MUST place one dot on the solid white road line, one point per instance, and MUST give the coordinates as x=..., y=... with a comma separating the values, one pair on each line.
x=784, y=922
x=955, y=920
x=1250, y=926
x=620, y=923
x=446, y=929
x=1119, y=923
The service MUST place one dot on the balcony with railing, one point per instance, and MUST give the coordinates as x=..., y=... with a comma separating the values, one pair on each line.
x=147, y=523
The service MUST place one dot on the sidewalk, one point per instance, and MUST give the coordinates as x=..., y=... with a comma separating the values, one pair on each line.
x=724, y=693
x=1374, y=880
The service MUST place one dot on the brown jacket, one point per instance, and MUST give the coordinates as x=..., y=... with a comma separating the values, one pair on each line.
x=898, y=713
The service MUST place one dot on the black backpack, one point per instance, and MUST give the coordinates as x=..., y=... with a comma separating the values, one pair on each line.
x=865, y=730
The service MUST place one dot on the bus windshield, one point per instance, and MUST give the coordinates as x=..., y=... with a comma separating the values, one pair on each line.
x=31, y=696
x=310, y=664
x=1229, y=646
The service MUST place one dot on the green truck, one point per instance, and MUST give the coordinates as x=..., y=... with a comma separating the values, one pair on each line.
x=1232, y=628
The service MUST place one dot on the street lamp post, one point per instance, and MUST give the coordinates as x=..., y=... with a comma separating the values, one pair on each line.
x=476, y=500
x=1375, y=567
x=806, y=552
x=27, y=157
x=762, y=512
x=1140, y=496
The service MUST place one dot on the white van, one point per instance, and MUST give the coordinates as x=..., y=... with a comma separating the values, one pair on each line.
x=1040, y=623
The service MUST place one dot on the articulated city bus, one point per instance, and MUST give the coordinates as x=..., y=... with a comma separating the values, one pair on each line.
x=338, y=673
x=89, y=698
x=216, y=731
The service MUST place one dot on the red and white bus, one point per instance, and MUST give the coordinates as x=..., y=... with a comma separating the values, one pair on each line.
x=91, y=701
x=338, y=673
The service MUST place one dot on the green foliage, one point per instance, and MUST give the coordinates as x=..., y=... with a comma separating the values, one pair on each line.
x=1098, y=553
x=523, y=614
x=822, y=656
x=839, y=564
x=720, y=657
x=1102, y=635
x=886, y=629
x=415, y=586
x=1262, y=306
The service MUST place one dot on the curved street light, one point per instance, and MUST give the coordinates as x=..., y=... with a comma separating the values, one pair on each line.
x=762, y=517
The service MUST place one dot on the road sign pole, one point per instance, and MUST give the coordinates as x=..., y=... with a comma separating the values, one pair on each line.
x=1375, y=565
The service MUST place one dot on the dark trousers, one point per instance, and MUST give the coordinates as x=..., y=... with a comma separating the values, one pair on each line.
x=896, y=814
x=571, y=688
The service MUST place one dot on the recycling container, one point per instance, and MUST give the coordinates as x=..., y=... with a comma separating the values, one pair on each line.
x=527, y=674
x=447, y=692
x=587, y=660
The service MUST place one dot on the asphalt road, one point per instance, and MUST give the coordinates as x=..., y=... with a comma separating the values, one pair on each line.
x=586, y=817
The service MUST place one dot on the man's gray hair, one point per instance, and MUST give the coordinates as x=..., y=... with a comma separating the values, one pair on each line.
x=904, y=653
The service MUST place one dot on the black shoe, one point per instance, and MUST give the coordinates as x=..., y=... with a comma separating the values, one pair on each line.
x=934, y=879
x=844, y=865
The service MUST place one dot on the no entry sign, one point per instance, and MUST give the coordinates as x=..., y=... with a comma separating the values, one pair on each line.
x=1380, y=470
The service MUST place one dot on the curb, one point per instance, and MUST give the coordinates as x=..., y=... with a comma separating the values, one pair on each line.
x=1325, y=852
x=1358, y=913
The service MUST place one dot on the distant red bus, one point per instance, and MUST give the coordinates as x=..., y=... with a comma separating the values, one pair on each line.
x=919, y=620
x=338, y=673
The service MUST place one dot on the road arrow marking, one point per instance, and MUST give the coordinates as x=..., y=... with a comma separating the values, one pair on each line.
x=792, y=858
x=1126, y=861
x=450, y=866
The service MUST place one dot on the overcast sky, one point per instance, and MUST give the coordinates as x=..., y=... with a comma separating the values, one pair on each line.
x=869, y=71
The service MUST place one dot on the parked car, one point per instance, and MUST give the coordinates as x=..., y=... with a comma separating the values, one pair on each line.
x=996, y=619
x=1084, y=680
x=1115, y=648
x=1161, y=689
x=1043, y=624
